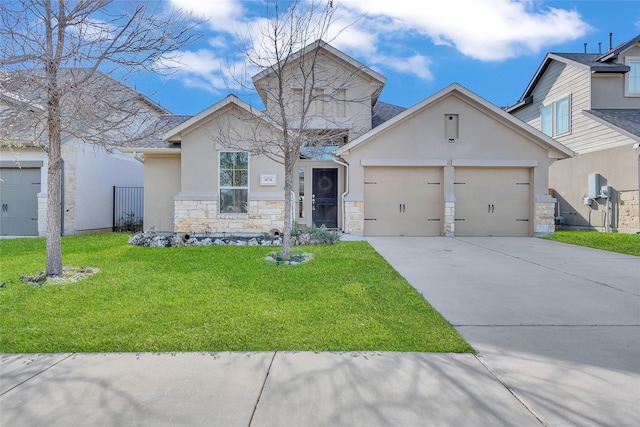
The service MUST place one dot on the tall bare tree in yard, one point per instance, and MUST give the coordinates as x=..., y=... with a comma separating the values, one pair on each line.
x=295, y=85
x=59, y=62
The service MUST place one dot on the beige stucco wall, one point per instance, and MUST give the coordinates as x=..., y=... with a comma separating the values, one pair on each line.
x=161, y=184
x=331, y=75
x=485, y=140
x=200, y=152
x=422, y=136
x=195, y=205
x=618, y=168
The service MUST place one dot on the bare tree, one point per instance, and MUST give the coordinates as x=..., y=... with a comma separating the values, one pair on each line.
x=297, y=85
x=60, y=66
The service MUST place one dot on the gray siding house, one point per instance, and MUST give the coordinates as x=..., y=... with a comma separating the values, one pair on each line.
x=590, y=102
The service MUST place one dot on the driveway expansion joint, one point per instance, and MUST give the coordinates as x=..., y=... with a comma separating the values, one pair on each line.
x=264, y=383
x=512, y=391
x=38, y=373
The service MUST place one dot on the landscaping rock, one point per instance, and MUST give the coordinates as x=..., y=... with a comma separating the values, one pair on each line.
x=150, y=238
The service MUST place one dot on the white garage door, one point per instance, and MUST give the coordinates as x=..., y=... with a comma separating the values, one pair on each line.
x=19, y=190
x=492, y=201
x=403, y=201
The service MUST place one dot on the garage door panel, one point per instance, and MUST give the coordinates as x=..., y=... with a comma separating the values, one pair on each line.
x=403, y=201
x=492, y=202
x=19, y=190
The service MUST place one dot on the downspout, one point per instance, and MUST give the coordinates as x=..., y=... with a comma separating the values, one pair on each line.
x=344, y=211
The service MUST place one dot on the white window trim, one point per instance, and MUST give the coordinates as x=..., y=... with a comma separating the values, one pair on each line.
x=554, y=105
x=555, y=112
x=627, y=92
x=220, y=187
x=542, y=106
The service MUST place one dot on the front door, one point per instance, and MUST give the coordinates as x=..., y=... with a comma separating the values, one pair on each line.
x=324, y=198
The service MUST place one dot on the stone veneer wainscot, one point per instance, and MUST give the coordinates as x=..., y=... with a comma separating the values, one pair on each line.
x=196, y=214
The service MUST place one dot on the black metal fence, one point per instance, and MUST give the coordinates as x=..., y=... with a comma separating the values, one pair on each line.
x=128, y=203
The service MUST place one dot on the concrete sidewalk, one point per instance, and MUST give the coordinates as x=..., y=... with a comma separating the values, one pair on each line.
x=254, y=389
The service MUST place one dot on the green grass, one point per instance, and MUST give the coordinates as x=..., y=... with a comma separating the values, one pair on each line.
x=213, y=298
x=613, y=242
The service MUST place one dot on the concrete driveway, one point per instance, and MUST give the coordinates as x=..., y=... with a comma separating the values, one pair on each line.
x=557, y=324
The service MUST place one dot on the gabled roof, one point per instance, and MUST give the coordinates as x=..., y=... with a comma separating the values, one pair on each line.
x=174, y=134
x=594, y=62
x=625, y=121
x=341, y=56
x=382, y=112
x=16, y=92
x=164, y=123
x=613, y=53
x=456, y=89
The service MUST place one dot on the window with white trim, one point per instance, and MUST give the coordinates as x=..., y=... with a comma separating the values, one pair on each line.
x=632, y=78
x=546, y=119
x=234, y=181
x=555, y=118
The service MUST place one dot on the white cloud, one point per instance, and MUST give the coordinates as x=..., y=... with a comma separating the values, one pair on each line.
x=203, y=70
x=388, y=34
x=415, y=64
x=221, y=15
x=487, y=30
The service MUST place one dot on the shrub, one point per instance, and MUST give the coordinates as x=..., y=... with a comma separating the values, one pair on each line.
x=312, y=235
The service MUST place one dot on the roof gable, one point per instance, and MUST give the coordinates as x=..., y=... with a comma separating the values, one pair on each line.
x=613, y=53
x=471, y=98
x=174, y=134
x=335, y=54
x=594, y=62
x=341, y=56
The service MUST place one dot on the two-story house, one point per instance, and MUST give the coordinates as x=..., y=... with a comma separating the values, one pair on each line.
x=90, y=172
x=590, y=102
x=453, y=164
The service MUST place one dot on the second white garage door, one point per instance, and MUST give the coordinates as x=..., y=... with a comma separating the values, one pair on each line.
x=403, y=201
x=492, y=201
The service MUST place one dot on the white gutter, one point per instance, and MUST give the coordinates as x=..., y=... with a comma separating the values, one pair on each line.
x=138, y=157
x=344, y=211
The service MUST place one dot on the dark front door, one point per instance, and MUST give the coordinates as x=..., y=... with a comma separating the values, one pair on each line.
x=324, y=198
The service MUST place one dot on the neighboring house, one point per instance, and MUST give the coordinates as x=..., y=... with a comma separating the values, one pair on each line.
x=453, y=164
x=89, y=175
x=590, y=102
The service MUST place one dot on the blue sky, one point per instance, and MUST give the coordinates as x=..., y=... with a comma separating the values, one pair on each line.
x=492, y=47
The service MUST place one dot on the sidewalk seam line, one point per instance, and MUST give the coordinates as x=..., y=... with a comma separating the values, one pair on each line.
x=37, y=374
x=264, y=383
x=514, y=393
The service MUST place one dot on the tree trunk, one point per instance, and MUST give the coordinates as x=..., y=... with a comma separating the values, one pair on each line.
x=54, y=209
x=288, y=206
x=54, y=180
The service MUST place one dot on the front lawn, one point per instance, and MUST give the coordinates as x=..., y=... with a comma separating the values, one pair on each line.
x=214, y=298
x=613, y=242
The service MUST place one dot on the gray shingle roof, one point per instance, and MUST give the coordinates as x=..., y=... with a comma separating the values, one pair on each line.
x=382, y=112
x=594, y=62
x=627, y=120
x=164, y=123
